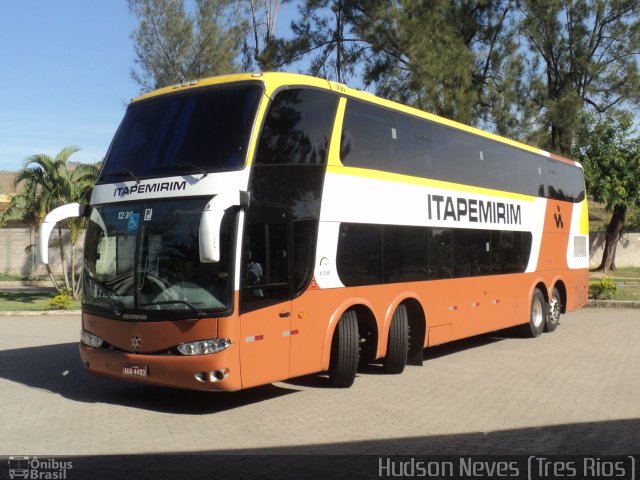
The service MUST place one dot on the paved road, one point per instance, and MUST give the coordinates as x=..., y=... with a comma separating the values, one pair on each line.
x=575, y=391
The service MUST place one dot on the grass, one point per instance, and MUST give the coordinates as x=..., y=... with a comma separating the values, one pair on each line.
x=626, y=292
x=27, y=301
x=14, y=277
x=627, y=280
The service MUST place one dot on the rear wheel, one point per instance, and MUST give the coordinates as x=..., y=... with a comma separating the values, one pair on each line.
x=343, y=364
x=555, y=309
x=398, y=344
x=537, y=315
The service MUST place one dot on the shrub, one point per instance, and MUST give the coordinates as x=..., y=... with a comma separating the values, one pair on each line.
x=62, y=301
x=602, y=289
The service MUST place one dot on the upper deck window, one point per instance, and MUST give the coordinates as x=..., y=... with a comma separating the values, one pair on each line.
x=379, y=138
x=298, y=128
x=200, y=131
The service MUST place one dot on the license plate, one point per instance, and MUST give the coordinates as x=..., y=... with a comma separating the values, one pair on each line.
x=135, y=370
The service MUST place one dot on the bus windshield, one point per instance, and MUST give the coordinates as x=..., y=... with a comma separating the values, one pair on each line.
x=144, y=257
x=203, y=131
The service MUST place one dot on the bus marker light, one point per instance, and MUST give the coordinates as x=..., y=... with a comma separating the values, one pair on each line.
x=452, y=308
x=254, y=338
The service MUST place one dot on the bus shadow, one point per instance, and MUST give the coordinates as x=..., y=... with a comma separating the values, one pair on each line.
x=470, y=343
x=321, y=380
x=57, y=369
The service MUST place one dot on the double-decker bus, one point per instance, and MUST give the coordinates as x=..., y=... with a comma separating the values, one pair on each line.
x=251, y=228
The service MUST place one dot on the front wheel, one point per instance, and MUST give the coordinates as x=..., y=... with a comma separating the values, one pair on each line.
x=537, y=315
x=345, y=353
x=555, y=309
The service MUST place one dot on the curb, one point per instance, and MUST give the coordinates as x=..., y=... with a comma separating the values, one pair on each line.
x=35, y=313
x=27, y=283
x=612, y=304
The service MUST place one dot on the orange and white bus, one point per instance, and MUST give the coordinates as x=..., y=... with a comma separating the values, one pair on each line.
x=251, y=228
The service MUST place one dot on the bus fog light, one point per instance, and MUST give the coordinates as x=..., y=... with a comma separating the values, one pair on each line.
x=218, y=375
x=90, y=339
x=204, y=347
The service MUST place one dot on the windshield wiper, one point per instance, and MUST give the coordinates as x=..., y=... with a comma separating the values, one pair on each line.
x=180, y=166
x=183, y=302
x=122, y=172
x=110, y=293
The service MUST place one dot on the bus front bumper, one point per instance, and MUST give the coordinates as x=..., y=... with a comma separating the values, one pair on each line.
x=215, y=372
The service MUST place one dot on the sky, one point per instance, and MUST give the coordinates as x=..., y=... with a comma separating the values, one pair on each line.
x=65, y=76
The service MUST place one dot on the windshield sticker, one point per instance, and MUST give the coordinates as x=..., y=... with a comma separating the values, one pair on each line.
x=133, y=221
x=147, y=214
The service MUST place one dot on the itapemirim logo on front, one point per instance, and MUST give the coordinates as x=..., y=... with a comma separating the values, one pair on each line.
x=35, y=469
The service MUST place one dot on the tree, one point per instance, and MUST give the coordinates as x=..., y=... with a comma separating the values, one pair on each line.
x=264, y=48
x=324, y=33
x=610, y=155
x=443, y=56
x=54, y=182
x=173, y=46
x=583, y=56
x=28, y=207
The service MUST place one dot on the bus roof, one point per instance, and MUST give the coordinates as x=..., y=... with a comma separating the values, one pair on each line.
x=275, y=80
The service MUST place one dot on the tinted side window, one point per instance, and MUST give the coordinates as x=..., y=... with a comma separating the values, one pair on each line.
x=381, y=139
x=370, y=137
x=510, y=251
x=411, y=254
x=422, y=147
x=440, y=253
x=359, y=258
x=406, y=254
x=297, y=128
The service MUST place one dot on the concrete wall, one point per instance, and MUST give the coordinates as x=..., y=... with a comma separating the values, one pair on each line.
x=17, y=258
x=627, y=253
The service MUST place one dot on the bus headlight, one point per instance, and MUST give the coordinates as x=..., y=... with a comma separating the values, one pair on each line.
x=90, y=339
x=204, y=347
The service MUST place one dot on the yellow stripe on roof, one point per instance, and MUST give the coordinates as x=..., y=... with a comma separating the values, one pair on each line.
x=425, y=182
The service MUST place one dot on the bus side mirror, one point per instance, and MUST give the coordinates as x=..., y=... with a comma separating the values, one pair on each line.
x=211, y=221
x=54, y=216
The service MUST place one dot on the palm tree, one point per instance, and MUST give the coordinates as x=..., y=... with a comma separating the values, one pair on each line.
x=57, y=183
x=27, y=207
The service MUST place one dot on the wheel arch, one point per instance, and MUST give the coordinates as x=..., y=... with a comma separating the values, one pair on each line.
x=562, y=290
x=542, y=286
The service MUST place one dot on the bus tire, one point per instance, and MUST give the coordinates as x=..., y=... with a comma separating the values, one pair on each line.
x=555, y=309
x=345, y=354
x=398, y=344
x=537, y=315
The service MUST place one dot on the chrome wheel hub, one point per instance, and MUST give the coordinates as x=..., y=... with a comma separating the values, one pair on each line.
x=537, y=313
x=554, y=310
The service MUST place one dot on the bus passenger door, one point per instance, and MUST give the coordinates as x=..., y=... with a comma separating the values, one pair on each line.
x=265, y=297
